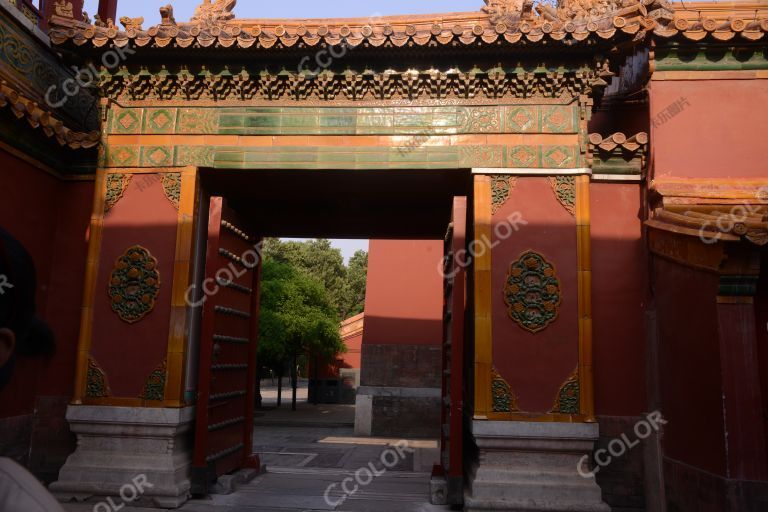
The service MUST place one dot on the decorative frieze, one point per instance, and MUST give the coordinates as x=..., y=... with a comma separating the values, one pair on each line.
x=532, y=292
x=96, y=385
x=134, y=284
x=503, y=398
x=172, y=187
x=154, y=388
x=390, y=85
x=564, y=188
x=116, y=186
x=501, y=186
x=568, y=399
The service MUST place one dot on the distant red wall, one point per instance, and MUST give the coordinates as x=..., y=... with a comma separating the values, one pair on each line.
x=618, y=299
x=50, y=218
x=689, y=368
x=403, y=301
x=717, y=134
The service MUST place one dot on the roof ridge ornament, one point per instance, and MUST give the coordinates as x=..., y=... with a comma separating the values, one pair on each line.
x=214, y=12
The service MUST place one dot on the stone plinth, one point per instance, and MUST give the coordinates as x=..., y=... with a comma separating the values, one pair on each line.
x=532, y=467
x=397, y=412
x=134, y=456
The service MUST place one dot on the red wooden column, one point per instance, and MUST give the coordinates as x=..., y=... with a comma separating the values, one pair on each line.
x=108, y=9
x=739, y=362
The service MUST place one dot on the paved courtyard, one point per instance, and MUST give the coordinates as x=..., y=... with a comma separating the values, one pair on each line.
x=309, y=451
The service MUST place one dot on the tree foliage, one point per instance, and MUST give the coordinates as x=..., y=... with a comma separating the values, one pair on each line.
x=297, y=316
x=318, y=258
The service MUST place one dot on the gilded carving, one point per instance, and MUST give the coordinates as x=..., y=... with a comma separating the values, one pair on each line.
x=64, y=9
x=564, y=188
x=172, y=187
x=504, y=399
x=116, y=187
x=568, y=396
x=96, y=385
x=501, y=186
x=532, y=292
x=154, y=388
x=134, y=284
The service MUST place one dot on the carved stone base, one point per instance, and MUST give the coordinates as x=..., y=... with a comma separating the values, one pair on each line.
x=128, y=455
x=532, y=467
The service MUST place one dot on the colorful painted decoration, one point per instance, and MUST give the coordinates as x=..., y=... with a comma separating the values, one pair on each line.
x=96, y=385
x=501, y=186
x=532, y=292
x=568, y=401
x=134, y=284
x=564, y=188
x=116, y=186
x=172, y=187
x=154, y=389
x=504, y=399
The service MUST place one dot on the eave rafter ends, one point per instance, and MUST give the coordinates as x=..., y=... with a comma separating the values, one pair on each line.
x=37, y=117
x=713, y=210
x=500, y=21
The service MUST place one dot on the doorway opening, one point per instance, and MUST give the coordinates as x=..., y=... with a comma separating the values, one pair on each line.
x=411, y=379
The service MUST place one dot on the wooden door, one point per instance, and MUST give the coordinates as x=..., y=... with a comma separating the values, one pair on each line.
x=228, y=347
x=454, y=309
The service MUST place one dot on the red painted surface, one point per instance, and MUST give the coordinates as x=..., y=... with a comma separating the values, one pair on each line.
x=536, y=365
x=128, y=353
x=744, y=419
x=691, y=391
x=735, y=114
x=50, y=218
x=352, y=337
x=618, y=299
x=761, y=332
x=403, y=301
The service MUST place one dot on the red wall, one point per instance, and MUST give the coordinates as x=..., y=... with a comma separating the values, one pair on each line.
x=717, y=135
x=404, y=293
x=536, y=364
x=689, y=368
x=50, y=218
x=618, y=299
x=128, y=353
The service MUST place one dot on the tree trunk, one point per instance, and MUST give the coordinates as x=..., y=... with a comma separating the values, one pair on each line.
x=280, y=386
x=294, y=379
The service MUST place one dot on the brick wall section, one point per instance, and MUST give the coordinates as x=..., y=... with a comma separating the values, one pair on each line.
x=406, y=417
x=622, y=481
x=408, y=366
x=691, y=489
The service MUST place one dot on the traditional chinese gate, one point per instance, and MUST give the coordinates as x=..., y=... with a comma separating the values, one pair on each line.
x=454, y=309
x=229, y=343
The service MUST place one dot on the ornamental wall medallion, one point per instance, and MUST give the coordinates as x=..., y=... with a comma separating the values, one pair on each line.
x=568, y=401
x=134, y=284
x=504, y=399
x=96, y=385
x=532, y=292
x=154, y=388
x=116, y=186
x=501, y=186
x=564, y=188
x=172, y=187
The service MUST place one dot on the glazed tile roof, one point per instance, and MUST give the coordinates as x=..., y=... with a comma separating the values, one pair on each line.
x=500, y=21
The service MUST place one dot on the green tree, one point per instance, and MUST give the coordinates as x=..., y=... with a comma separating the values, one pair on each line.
x=354, y=290
x=297, y=319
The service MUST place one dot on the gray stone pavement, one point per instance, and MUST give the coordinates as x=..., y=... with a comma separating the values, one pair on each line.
x=303, y=462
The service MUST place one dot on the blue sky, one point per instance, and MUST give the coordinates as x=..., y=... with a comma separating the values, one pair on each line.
x=183, y=9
